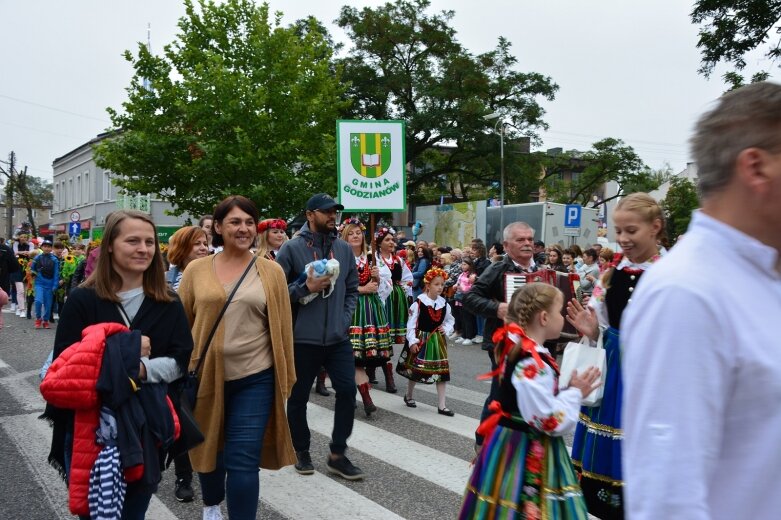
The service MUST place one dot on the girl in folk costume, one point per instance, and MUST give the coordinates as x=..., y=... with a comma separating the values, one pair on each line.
x=424, y=358
x=271, y=236
x=596, y=450
x=524, y=470
x=369, y=333
x=396, y=305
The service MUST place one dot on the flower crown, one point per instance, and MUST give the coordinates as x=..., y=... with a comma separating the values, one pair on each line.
x=348, y=221
x=383, y=231
x=433, y=273
x=272, y=223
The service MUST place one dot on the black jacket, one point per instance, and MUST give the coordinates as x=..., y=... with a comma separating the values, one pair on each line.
x=486, y=295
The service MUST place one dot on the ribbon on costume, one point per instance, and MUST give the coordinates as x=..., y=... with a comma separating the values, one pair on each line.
x=505, y=344
x=490, y=423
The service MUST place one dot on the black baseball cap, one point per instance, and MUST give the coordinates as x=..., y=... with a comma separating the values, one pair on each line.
x=46, y=242
x=322, y=201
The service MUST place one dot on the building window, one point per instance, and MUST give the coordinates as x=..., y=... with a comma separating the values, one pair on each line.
x=70, y=193
x=106, y=186
x=77, y=194
x=87, y=189
x=56, y=197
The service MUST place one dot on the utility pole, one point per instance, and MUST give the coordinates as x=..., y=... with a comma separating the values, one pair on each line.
x=9, y=195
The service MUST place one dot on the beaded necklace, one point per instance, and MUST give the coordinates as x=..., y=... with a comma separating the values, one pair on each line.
x=363, y=273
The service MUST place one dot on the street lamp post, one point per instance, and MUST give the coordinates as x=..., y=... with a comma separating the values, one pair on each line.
x=501, y=125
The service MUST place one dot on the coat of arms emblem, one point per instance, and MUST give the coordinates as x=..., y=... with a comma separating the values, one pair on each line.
x=370, y=154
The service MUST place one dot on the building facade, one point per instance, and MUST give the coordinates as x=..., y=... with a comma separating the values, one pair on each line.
x=86, y=193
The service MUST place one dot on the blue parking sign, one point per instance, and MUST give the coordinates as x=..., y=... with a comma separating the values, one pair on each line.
x=572, y=215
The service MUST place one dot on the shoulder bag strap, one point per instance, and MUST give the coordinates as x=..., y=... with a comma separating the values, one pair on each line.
x=219, y=318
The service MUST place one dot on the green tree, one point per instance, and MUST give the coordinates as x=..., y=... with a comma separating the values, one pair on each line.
x=609, y=159
x=407, y=63
x=28, y=192
x=236, y=104
x=678, y=204
x=730, y=29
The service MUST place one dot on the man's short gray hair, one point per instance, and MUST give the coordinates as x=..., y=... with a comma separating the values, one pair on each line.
x=748, y=117
x=508, y=229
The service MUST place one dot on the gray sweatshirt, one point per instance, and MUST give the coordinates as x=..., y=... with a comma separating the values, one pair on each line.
x=323, y=321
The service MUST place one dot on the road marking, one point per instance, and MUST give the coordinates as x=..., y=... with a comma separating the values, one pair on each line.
x=32, y=437
x=459, y=424
x=3, y=364
x=25, y=393
x=304, y=496
x=427, y=463
x=455, y=392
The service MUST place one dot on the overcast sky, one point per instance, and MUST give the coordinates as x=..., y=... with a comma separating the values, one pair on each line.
x=625, y=70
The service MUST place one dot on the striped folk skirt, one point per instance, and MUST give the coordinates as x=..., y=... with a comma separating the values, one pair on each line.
x=430, y=364
x=369, y=332
x=523, y=475
x=397, y=310
x=596, y=449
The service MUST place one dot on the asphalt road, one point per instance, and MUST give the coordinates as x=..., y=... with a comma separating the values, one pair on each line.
x=416, y=461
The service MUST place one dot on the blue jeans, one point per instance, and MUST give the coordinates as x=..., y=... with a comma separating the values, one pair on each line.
x=339, y=362
x=44, y=295
x=248, y=404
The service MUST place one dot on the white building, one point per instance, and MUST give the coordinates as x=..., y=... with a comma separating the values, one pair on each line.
x=690, y=172
x=85, y=193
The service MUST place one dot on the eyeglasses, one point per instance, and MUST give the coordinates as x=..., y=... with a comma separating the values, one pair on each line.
x=332, y=211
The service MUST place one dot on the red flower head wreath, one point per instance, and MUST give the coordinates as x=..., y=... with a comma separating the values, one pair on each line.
x=352, y=220
x=433, y=273
x=381, y=233
x=271, y=223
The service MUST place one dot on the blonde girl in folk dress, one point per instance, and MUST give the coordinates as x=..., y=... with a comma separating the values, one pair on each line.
x=596, y=449
x=524, y=470
x=271, y=235
x=424, y=358
x=369, y=332
x=396, y=305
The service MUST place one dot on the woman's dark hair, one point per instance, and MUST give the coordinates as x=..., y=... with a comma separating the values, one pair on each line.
x=427, y=254
x=479, y=249
x=498, y=247
x=203, y=219
x=576, y=250
x=223, y=208
x=470, y=263
x=591, y=253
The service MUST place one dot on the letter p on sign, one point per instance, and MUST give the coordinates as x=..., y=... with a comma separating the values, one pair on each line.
x=572, y=215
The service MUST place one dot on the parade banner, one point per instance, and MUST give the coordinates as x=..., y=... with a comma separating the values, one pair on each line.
x=371, y=167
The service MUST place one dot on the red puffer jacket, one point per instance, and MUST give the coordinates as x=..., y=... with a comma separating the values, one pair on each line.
x=70, y=383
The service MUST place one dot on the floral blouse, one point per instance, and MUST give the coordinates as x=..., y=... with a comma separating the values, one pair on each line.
x=540, y=402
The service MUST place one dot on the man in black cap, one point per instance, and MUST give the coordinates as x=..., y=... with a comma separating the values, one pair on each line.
x=321, y=329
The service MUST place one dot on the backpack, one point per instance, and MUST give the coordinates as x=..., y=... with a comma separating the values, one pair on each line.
x=46, y=266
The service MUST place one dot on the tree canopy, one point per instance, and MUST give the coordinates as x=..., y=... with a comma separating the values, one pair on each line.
x=406, y=63
x=236, y=104
x=730, y=29
x=678, y=205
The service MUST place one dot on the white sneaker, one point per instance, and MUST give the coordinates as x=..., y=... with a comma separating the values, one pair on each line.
x=459, y=341
x=477, y=339
x=21, y=313
x=56, y=316
x=467, y=342
x=212, y=513
x=13, y=307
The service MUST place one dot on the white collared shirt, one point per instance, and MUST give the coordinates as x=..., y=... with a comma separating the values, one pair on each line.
x=702, y=380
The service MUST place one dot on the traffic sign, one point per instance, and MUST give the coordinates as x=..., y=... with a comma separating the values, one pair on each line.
x=74, y=228
x=75, y=216
x=572, y=215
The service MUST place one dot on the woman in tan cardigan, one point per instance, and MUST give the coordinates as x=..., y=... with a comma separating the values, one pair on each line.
x=248, y=370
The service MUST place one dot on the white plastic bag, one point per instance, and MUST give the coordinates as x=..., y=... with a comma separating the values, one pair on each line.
x=581, y=356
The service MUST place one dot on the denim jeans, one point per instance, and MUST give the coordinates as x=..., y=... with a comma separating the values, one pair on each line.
x=248, y=404
x=339, y=362
x=44, y=295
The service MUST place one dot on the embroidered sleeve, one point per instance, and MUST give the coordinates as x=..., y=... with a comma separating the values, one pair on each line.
x=386, y=283
x=449, y=322
x=535, y=389
x=412, y=323
x=406, y=277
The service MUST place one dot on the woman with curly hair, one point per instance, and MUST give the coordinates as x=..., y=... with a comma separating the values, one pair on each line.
x=369, y=332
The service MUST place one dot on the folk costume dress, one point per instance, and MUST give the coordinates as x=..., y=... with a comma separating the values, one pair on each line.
x=396, y=307
x=523, y=470
x=596, y=449
x=369, y=332
x=429, y=322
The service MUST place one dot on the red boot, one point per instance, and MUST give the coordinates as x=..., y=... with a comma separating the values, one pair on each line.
x=368, y=404
x=390, y=385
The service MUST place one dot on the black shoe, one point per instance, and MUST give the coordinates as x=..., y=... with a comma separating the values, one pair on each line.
x=446, y=411
x=304, y=465
x=184, y=490
x=344, y=468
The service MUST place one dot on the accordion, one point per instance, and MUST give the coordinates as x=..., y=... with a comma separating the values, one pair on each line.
x=568, y=284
